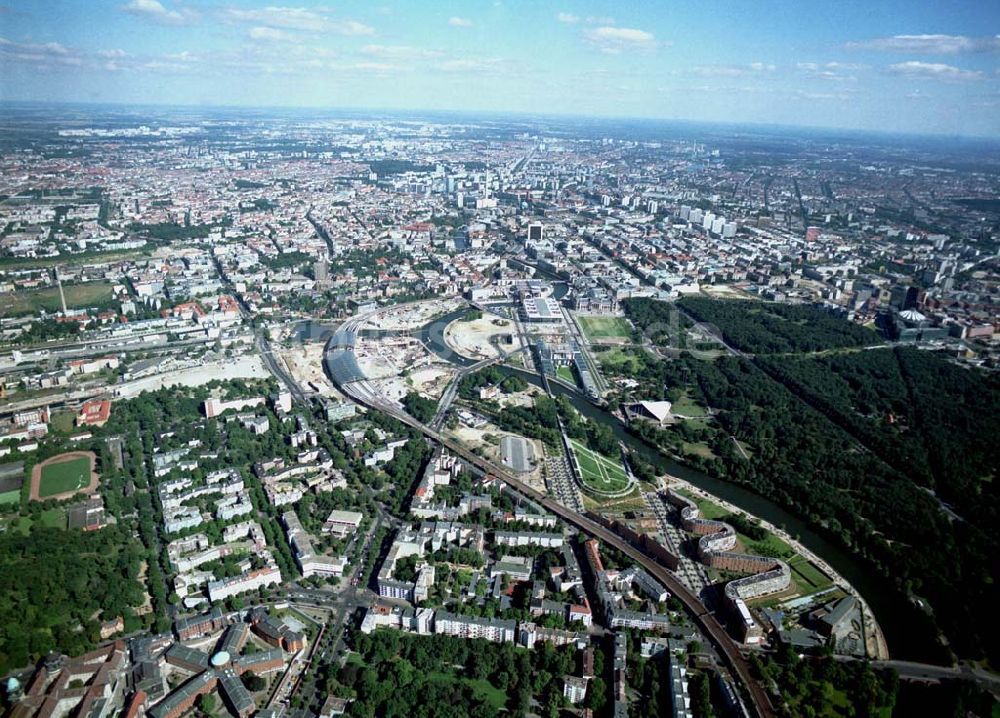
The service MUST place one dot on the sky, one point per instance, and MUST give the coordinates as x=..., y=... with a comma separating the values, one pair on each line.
x=911, y=66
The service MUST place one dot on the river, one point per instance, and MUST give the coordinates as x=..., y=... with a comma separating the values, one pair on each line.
x=906, y=636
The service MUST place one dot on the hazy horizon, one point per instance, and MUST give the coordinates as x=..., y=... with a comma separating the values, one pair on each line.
x=913, y=68
x=414, y=113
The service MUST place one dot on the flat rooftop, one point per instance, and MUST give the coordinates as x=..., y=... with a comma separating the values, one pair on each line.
x=517, y=453
x=541, y=309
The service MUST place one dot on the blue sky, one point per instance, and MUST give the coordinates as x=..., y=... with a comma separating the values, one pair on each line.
x=928, y=66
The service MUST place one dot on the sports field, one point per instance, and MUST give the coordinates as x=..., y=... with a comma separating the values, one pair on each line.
x=598, y=471
x=77, y=295
x=64, y=476
x=605, y=327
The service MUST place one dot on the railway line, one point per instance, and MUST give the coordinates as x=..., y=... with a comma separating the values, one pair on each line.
x=705, y=620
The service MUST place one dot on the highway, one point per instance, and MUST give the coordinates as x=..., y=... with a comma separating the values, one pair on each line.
x=705, y=619
x=702, y=617
x=273, y=363
x=276, y=367
x=926, y=672
x=452, y=390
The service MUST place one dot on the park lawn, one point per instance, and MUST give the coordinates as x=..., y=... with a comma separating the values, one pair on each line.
x=10, y=497
x=698, y=423
x=481, y=688
x=698, y=449
x=54, y=518
x=835, y=702
x=77, y=296
x=63, y=421
x=605, y=327
x=708, y=509
x=598, y=471
x=566, y=374
x=620, y=359
x=23, y=524
x=807, y=574
x=770, y=545
x=64, y=476
x=688, y=407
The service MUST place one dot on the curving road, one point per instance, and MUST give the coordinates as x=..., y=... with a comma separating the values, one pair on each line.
x=705, y=620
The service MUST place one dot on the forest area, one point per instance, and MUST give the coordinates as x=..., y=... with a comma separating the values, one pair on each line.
x=854, y=443
x=59, y=585
x=394, y=673
x=770, y=328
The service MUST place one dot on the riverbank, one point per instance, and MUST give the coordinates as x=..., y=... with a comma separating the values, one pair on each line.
x=881, y=597
x=875, y=644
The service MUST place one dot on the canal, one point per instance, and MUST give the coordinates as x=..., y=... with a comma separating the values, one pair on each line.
x=905, y=630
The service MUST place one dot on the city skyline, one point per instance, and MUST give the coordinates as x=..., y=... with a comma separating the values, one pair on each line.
x=910, y=69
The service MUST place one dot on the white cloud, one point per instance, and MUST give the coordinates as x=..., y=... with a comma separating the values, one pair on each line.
x=833, y=71
x=459, y=22
x=166, y=67
x=470, y=64
x=154, y=11
x=296, y=18
x=612, y=40
x=380, y=67
x=844, y=66
x=806, y=95
x=930, y=44
x=112, y=54
x=185, y=56
x=567, y=17
x=754, y=68
x=271, y=34
x=400, y=52
x=49, y=53
x=353, y=27
x=933, y=71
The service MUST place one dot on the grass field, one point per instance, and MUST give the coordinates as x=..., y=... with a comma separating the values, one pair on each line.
x=63, y=421
x=598, y=471
x=77, y=296
x=605, y=327
x=10, y=497
x=770, y=545
x=807, y=575
x=624, y=361
x=481, y=688
x=687, y=407
x=708, y=509
x=698, y=449
x=54, y=518
x=566, y=374
x=64, y=476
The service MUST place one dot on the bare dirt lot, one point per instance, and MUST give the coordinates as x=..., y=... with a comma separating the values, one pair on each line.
x=480, y=338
